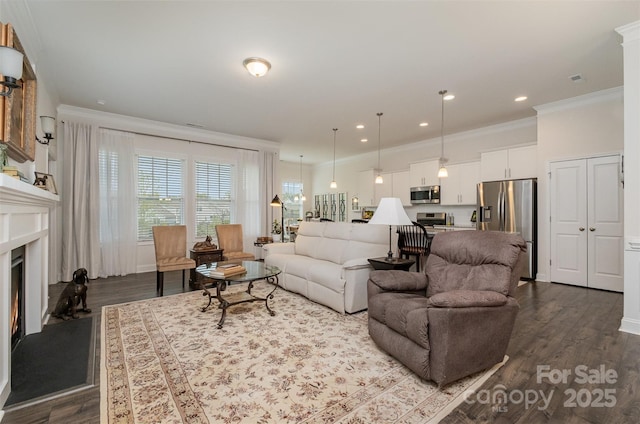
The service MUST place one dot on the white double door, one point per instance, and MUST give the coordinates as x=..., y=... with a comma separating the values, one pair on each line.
x=586, y=202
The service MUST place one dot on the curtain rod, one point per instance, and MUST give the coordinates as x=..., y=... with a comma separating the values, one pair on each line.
x=177, y=139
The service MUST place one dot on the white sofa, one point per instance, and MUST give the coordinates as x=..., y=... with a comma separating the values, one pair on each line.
x=328, y=262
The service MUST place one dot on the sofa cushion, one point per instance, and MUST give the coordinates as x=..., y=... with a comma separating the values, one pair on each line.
x=327, y=274
x=367, y=241
x=467, y=299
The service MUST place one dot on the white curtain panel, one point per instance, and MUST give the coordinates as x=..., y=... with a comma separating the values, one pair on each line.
x=268, y=189
x=80, y=236
x=248, y=208
x=118, y=240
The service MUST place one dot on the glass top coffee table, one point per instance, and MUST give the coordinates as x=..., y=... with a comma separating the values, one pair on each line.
x=256, y=271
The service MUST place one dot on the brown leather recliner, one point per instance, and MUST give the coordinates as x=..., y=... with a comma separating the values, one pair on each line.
x=456, y=318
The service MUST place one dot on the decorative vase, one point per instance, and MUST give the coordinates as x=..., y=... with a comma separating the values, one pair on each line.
x=276, y=238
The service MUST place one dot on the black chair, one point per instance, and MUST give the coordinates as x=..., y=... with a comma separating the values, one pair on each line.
x=413, y=240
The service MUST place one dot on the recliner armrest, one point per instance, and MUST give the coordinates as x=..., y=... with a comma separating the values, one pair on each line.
x=286, y=248
x=397, y=281
x=467, y=299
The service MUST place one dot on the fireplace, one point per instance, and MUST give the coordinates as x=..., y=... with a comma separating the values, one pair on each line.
x=17, y=296
x=25, y=213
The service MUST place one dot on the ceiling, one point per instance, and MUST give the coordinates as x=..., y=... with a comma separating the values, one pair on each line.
x=334, y=64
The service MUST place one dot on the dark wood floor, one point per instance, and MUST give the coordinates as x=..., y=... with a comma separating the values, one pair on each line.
x=558, y=326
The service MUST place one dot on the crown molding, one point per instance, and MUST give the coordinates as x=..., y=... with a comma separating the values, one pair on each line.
x=607, y=95
x=162, y=129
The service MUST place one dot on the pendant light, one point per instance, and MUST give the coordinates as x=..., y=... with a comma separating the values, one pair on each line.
x=379, y=177
x=334, y=184
x=442, y=171
x=302, y=197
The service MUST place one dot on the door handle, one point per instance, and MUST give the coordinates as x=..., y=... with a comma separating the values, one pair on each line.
x=591, y=229
x=581, y=228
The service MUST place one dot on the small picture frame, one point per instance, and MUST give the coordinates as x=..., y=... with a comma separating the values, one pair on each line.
x=45, y=182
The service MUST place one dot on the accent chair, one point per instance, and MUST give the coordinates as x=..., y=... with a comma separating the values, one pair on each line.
x=230, y=239
x=170, y=242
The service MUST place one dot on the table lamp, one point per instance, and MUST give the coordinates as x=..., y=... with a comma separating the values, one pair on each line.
x=390, y=212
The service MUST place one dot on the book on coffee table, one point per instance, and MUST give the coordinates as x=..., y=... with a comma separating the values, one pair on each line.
x=227, y=270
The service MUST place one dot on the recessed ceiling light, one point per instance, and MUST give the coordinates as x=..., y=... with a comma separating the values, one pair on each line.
x=102, y=102
x=576, y=78
x=359, y=126
x=449, y=97
x=364, y=140
x=520, y=98
x=424, y=124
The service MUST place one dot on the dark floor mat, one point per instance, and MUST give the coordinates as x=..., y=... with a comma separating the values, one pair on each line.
x=56, y=359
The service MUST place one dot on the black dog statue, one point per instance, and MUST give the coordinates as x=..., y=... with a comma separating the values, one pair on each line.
x=74, y=293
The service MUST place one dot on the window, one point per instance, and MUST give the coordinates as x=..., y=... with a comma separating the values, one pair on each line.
x=160, y=194
x=213, y=196
x=293, y=208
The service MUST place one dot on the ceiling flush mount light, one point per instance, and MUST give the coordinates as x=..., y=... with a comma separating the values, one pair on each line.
x=10, y=68
x=424, y=124
x=48, y=124
x=364, y=140
x=334, y=184
x=379, y=177
x=520, y=99
x=359, y=126
x=256, y=66
x=442, y=171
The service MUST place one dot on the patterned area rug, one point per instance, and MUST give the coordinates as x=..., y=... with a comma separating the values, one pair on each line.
x=165, y=361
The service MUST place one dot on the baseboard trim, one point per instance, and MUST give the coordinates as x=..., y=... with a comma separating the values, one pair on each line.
x=629, y=325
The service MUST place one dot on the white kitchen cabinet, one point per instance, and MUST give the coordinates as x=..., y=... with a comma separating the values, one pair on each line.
x=424, y=173
x=385, y=189
x=366, y=193
x=401, y=187
x=509, y=164
x=459, y=188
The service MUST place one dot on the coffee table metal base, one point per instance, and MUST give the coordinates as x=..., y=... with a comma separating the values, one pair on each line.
x=247, y=296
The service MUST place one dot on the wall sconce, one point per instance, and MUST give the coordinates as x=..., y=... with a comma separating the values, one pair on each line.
x=10, y=68
x=257, y=66
x=48, y=125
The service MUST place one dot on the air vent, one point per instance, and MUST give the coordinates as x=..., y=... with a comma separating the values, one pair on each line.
x=576, y=78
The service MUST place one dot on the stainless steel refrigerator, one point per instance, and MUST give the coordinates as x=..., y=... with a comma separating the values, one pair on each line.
x=510, y=206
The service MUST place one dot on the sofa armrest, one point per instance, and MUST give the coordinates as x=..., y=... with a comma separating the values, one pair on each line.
x=396, y=281
x=286, y=248
x=467, y=299
x=356, y=263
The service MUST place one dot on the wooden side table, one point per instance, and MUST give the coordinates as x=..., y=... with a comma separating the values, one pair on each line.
x=394, y=263
x=202, y=257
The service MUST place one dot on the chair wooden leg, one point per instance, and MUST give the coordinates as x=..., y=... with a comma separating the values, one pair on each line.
x=183, y=272
x=159, y=282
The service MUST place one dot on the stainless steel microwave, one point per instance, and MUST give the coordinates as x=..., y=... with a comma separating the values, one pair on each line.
x=425, y=194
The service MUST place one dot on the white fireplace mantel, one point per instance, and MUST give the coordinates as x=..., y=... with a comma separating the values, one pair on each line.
x=24, y=221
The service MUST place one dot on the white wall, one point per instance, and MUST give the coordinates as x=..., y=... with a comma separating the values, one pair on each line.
x=578, y=127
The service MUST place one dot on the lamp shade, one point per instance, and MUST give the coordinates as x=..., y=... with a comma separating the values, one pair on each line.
x=10, y=62
x=48, y=124
x=276, y=202
x=390, y=212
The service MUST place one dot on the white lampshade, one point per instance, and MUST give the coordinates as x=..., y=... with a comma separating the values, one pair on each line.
x=256, y=66
x=390, y=212
x=10, y=62
x=48, y=124
x=333, y=184
x=442, y=172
